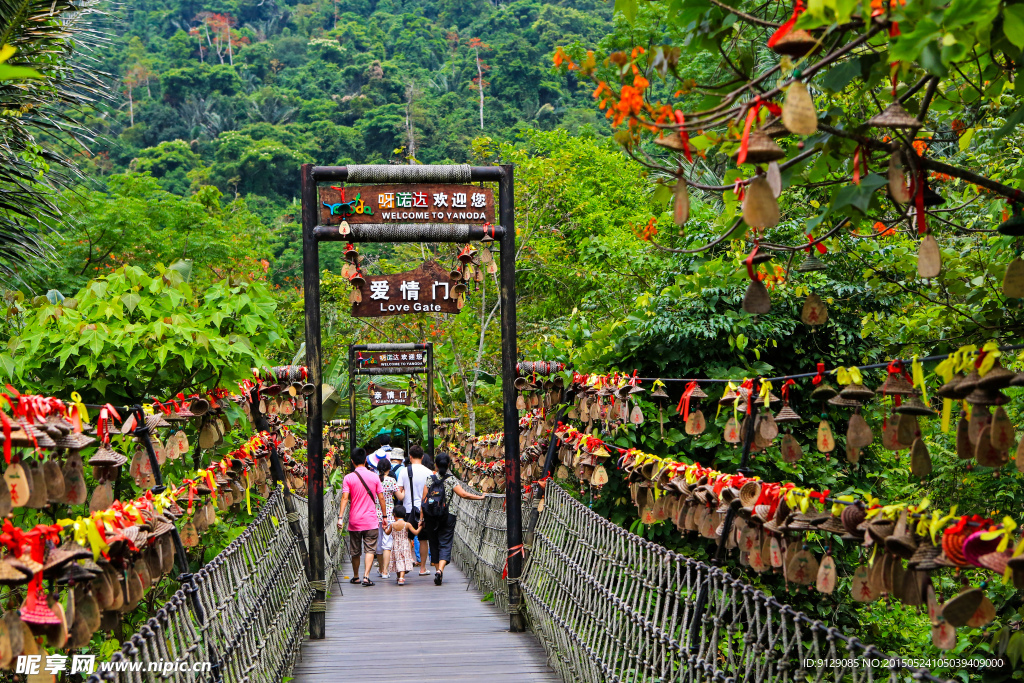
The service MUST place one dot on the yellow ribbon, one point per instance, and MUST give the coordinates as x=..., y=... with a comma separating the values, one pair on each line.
x=1006, y=532
x=992, y=352
x=939, y=521
x=729, y=386
x=850, y=375
x=917, y=370
x=83, y=412
x=837, y=508
x=967, y=354
x=248, y=488
x=766, y=393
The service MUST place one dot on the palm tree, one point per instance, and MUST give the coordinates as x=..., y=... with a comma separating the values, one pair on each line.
x=39, y=131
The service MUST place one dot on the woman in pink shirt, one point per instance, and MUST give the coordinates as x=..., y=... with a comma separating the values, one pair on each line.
x=362, y=489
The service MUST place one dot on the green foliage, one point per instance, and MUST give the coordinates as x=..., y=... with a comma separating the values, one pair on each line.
x=129, y=336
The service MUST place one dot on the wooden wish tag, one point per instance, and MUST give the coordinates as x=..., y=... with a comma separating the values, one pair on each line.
x=17, y=484
x=159, y=450
x=987, y=455
x=756, y=299
x=189, y=535
x=760, y=208
x=768, y=428
x=959, y=609
x=6, y=651
x=814, y=312
x=37, y=498
x=964, y=448
x=825, y=582
x=984, y=615
x=1020, y=456
x=681, y=203
x=980, y=417
x=695, y=423
x=890, y=433
x=54, y=480
x=731, y=431
x=944, y=636
x=852, y=454
x=907, y=430
x=929, y=258
x=802, y=568
x=755, y=557
x=75, y=491
x=774, y=178
x=102, y=497
x=1002, y=435
x=791, y=450
x=920, y=459
x=826, y=443
x=600, y=476
x=766, y=552
x=898, y=189
x=858, y=433
x=5, y=502
x=208, y=436
x=798, y=114
x=775, y=554
x=1013, y=279
x=636, y=416
x=861, y=589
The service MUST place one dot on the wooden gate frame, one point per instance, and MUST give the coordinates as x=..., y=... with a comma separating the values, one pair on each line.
x=504, y=233
x=427, y=368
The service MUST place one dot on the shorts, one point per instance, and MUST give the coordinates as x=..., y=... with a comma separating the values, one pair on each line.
x=384, y=541
x=362, y=542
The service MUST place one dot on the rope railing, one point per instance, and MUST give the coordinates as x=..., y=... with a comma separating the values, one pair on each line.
x=255, y=599
x=611, y=606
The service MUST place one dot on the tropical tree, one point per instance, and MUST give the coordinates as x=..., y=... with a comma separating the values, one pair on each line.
x=40, y=115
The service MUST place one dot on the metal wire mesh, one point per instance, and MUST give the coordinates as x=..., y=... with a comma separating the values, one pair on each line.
x=255, y=601
x=480, y=545
x=611, y=606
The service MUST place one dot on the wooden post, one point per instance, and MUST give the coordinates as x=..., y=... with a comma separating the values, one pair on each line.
x=314, y=414
x=513, y=483
x=430, y=398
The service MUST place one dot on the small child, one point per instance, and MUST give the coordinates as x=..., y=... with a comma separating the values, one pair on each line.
x=401, y=556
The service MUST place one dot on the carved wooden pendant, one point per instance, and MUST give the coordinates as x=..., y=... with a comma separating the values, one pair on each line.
x=732, y=431
x=826, y=579
x=826, y=442
x=964, y=449
x=861, y=590
x=798, y=114
x=695, y=423
x=791, y=450
x=980, y=417
x=987, y=455
x=858, y=433
x=681, y=203
x=17, y=484
x=1013, y=279
x=102, y=497
x=929, y=258
x=756, y=299
x=760, y=208
x=907, y=430
x=1002, y=435
x=920, y=459
x=814, y=312
x=890, y=433
x=898, y=189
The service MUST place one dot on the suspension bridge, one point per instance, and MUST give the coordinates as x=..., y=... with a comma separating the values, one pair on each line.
x=600, y=603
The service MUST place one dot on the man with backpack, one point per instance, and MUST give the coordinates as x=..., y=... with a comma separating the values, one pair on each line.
x=437, y=512
x=364, y=491
x=412, y=477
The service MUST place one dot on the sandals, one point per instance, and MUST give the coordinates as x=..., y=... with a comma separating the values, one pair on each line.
x=355, y=579
x=438, y=578
x=367, y=582
x=424, y=573
x=401, y=582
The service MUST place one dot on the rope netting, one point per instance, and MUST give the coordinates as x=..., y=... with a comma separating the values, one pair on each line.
x=611, y=606
x=254, y=599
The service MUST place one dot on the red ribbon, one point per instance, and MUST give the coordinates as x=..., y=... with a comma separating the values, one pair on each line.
x=751, y=117
x=512, y=552
x=922, y=224
x=683, y=135
x=750, y=262
x=782, y=31
x=860, y=161
x=820, y=376
x=684, y=401
x=811, y=245
x=785, y=389
x=749, y=386
x=6, y=421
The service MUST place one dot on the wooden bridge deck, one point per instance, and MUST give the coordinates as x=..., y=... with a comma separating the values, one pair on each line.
x=419, y=632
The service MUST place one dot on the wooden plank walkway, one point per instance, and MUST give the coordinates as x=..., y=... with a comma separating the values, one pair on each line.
x=419, y=632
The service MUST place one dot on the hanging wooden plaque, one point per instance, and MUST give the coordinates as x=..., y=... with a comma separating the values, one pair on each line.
x=386, y=396
x=428, y=289
x=420, y=203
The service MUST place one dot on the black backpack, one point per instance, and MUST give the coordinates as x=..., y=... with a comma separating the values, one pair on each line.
x=435, y=505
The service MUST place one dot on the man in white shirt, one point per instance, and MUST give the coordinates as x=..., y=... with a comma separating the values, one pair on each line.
x=381, y=453
x=419, y=482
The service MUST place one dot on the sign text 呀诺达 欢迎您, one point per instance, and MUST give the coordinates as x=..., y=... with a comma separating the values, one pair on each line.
x=406, y=204
x=390, y=359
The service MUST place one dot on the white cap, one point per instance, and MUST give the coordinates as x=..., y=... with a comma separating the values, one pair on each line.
x=396, y=454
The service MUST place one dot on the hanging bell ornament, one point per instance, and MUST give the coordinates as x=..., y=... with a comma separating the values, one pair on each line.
x=351, y=255
x=761, y=149
x=823, y=392
x=760, y=208
x=775, y=129
x=795, y=43
x=811, y=263
x=798, y=114
x=915, y=406
x=895, y=117
x=756, y=299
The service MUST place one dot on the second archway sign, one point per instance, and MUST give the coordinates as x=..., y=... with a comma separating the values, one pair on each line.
x=368, y=203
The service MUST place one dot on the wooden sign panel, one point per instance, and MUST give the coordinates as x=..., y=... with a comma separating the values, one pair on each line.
x=428, y=289
x=385, y=396
x=420, y=203
x=390, y=359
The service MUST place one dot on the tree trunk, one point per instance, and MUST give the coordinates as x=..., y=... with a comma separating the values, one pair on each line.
x=410, y=128
x=480, y=83
x=131, y=108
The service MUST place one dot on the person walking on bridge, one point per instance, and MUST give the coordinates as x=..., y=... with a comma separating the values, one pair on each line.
x=363, y=490
x=412, y=477
x=440, y=522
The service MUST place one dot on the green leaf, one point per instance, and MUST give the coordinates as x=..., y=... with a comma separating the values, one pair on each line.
x=1013, y=24
x=838, y=77
x=1015, y=650
x=909, y=45
x=17, y=73
x=131, y=301
x=628, y=8
x=965, y=139
x=1011, y=122
x=858, y=196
